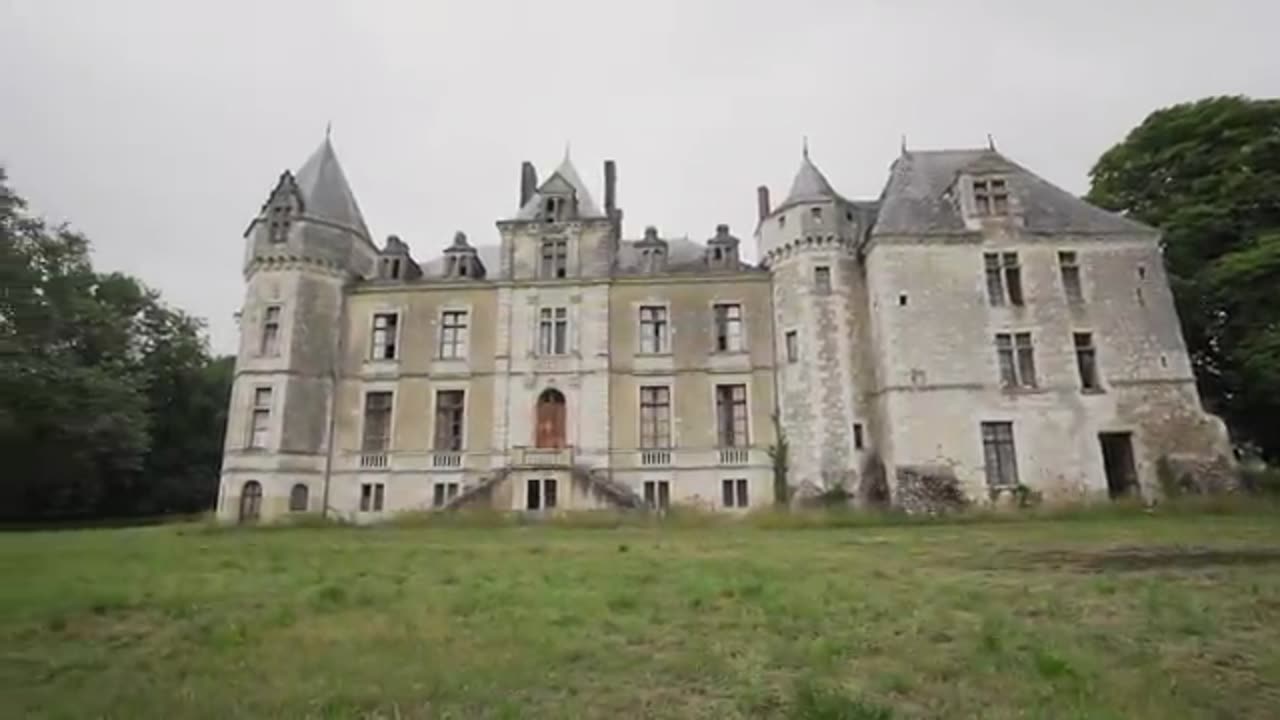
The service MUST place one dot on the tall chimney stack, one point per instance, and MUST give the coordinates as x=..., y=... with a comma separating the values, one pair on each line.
x=610, y=187
x=762, y=201
x=528, y=182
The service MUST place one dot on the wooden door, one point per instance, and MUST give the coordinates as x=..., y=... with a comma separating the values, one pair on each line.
x=550, y=420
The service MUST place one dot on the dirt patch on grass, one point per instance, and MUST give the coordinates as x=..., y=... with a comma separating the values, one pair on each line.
x=1135, y=558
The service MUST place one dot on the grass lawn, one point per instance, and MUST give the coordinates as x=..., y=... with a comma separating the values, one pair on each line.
x=1110, y=617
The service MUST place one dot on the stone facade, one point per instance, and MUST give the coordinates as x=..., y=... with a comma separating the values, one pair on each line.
x=973, y=323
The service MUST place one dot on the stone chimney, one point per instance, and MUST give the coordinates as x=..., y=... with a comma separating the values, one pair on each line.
x=762, y=201
x=610, y=187
x=528, y=182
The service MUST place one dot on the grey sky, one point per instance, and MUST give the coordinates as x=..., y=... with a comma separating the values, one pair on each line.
x=158, y=127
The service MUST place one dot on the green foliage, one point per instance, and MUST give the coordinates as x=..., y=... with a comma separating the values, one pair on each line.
x=779, y=453
x=817, y=702
x=109, y=402
x=1208, y=175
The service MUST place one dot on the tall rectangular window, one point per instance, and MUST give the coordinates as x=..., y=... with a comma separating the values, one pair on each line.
x=1017, y=360
x=858, y=440
x=731, y=415
x=991, y=197
x=1004, y=278
x=270, y=345
x=449, y=409
x=443, y=492
x=1069, y=265
x=555, y=259
x=384, y=336
x=653, y=329
x=553, y=331
x=260, y=421
x=377, y=422
x=655, y=416
x=1086, y=360
x=728, y=319
x=540, y=494
x=657, y=494
x=371, y=497
x=822, y=279
x=999, y=455
x=793, y=346
x=453, y=334
x=734, y=493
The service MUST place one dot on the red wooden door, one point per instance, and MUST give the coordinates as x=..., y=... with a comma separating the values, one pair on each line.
x=550, y=420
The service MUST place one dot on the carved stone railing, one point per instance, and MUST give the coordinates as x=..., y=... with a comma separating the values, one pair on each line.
x=446, y=460
x=655, y=457
x=373, y=460
x=542, y=457
x=734, y=456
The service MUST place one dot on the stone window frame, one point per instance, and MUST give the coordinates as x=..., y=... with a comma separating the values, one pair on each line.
x=990, y=195
x=1088, y=349
x=791, y=346
x=735, y=493
x=859, y=436
x=743, y=379
x=1002, y=278
x=277, y=323
x=365, y=391
x=657, y=494
x=542, y=483
x=299, y=498
x=567, y=349
x=467, y=316
x=990, y=437
x=255, y=407
x=376, y=498
x=1069, y=266
x=444, y=491
x=1019, y=373
x=667, y=335
x=397, y=347
x=667, y=383
x=546, y=270
x=744, y=339
x=463, y=435
x=823, y=276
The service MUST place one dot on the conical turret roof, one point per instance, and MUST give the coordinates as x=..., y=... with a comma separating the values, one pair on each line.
x=810, y=184
x=326, y=194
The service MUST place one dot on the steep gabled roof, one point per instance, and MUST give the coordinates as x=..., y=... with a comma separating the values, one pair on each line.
x=326, y=195
x=809, y=185
x=919, y=197
x=564, y=175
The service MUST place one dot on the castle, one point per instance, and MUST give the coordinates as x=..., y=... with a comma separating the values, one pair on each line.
x=974, y=323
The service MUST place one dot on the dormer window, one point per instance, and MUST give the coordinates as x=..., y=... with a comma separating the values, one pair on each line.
x=395, y=269
x=991, y=197
x=553, y=209
x=279, y=220
x=816, y=214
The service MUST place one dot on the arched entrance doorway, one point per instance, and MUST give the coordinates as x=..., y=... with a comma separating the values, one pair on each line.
x=550, y=419
x=250, y=501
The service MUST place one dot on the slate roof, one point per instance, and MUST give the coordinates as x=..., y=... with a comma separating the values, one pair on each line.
x=809, y=185
x=587, y=207
x=325, y=192
x=918, y=197
x=683, y=256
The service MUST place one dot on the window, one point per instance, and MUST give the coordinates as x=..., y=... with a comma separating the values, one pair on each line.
x=728, y=319
x=270, y=345
x=442, y=493
x=858, y=441
x=555, y=259
x=371, y=496
x=731, y=415
x=553, y=209
x=1086, y=360
x=793, y=346
x=260, y=426
x=998, y=454
x=734, y=493
x=395, y=269
x=822, y=279
x=657, y=494
x=655, y=417
x=1070, y=268
x=653, y=329
x=1017, y=360
x=384, y=336
x=453, y=334
x=1004, y=278
x=540, y=494
x=250, y=501
x=377, y=422
x=279, y=231
x=553, y=331
x=782, y=221
x=449, y=408
x=816, y=213
x=991, y=197
x=298, y=498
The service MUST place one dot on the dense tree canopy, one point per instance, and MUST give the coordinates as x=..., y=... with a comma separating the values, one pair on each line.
x=110, y=404
x=1208, y=174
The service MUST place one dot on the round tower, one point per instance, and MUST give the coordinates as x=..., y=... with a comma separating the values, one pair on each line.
x=809, y=242
x=306, y=243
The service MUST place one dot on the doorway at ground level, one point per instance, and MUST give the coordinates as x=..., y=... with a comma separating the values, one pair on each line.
x=1117, y=460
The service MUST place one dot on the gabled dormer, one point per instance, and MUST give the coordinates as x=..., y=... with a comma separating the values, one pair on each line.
x=653, y=251
x=722, y=250
x=984, y=191
x=562, y=197
x=282, y=207
x=461, y=261
x=395, y=262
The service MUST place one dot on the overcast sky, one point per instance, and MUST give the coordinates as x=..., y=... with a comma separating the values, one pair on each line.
x=157, y=127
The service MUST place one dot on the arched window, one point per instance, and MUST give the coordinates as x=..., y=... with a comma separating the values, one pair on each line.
x=550, y=420
x=250, y=501
x=298, y=498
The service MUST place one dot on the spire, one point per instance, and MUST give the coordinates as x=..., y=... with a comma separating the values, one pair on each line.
x=991, y=142
x=809, y=184
x=806, y=147
x=326, y=194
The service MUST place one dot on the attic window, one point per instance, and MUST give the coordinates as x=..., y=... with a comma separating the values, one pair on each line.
x=991, y=197
x=782, y=221
x=279, y=223
x=553, y=209
x=462, y=268
x=717, y=254
x=395, y=269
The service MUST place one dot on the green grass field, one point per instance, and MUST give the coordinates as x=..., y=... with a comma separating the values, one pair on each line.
x=1110, y=617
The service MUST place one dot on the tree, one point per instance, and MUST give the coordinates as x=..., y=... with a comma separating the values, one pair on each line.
x=1207, y=174
x=109, y=401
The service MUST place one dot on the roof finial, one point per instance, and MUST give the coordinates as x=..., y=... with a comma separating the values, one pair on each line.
x=806, y=147
x=567, y=143
x=328, y=130
x=904, y=143
x=991, y=142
